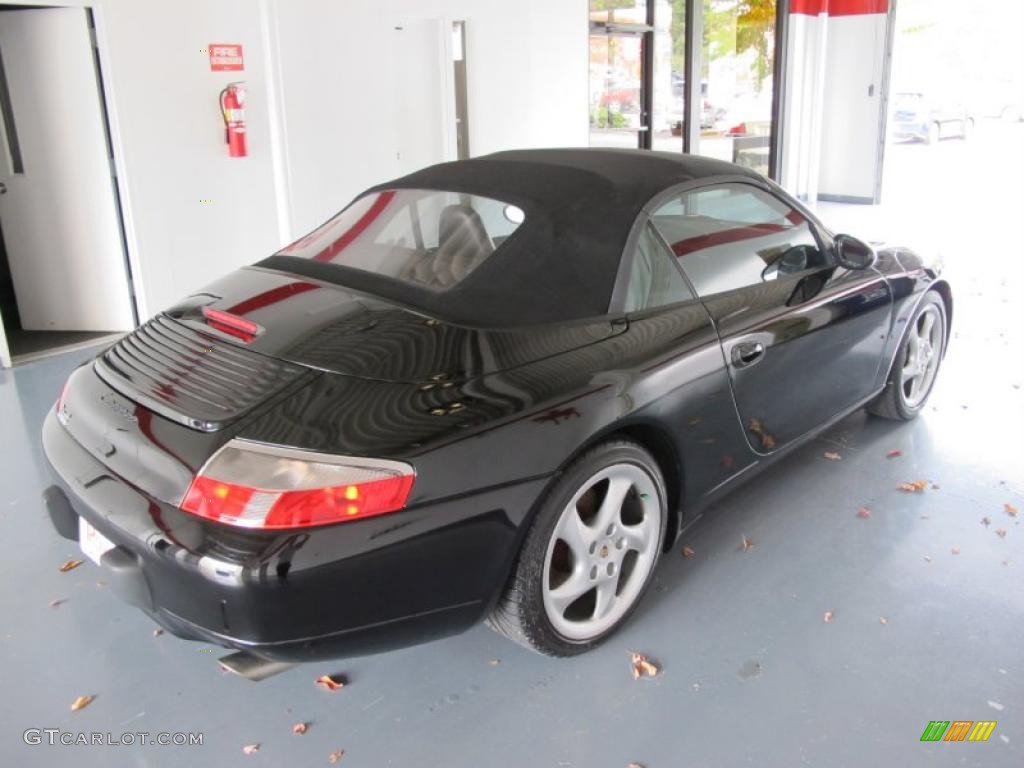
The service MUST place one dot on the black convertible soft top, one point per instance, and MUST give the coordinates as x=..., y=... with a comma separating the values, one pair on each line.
x=561, y=263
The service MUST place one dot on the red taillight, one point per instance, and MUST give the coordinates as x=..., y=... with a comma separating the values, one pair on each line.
x=226, y=322
x=258, y=486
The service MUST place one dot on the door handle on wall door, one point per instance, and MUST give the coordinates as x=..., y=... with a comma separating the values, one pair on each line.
x=747, y=353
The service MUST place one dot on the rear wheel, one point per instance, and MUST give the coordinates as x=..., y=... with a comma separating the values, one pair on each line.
x=917, y=363
x=589, y=554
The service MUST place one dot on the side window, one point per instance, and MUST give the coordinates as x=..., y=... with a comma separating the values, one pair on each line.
x=731, y=236
x=654, y=280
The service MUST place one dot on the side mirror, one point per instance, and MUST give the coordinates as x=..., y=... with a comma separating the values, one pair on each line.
x=853, y=253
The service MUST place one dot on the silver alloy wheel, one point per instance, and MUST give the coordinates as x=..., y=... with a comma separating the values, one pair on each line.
x=601, y=552
x=924, y=349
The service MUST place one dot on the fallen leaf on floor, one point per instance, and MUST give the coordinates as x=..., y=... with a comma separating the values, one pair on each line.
x=986, y=521
x=1001, y=533
x=748, y=544
x=69, y=565
x=955, y=550
x=494, y=662
x=1010, y=509
x=335, y=756
x=913, y=487
x=328, y=682
x=642, y=666
x=927, y=558
x=767, y=441
x=882, y=620
x=893, y=454
x=864, y=513
x=300, y=728
x=832, y=456
x=635, y=765
x=81, y=703
x=828, y=617
x=251, y=749
x=58, y=601
x=687, y=552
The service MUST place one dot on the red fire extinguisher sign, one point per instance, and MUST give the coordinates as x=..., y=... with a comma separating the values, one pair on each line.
x=226, y=57
x=232, y=109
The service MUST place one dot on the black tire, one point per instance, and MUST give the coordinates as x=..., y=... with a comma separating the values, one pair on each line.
x=892, y=402
x=520, y=614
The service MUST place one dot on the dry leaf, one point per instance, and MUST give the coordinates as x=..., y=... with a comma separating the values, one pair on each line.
x=70, y=564
x=335, y=756
x=864, y=513
x=833, y=456
x=882, y=620
x=986, y=521
x=300, y=728
x=1001, y=533
x=955, y=550
x=81, y=703
x=251, y=749
x=687, y=552
x=328, y=682
x=893, y=454
x=494, y=662
x=914, y=486
x=157, y=632
x=58, y=601
x=828, y=617
x=748, y=544
x=1010, y=509
x=767, y=441
x=642, y=666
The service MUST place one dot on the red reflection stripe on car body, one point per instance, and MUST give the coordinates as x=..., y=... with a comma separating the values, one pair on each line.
x=273, y=296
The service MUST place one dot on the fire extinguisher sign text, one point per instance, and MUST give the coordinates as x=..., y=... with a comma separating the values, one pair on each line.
x=226, y=57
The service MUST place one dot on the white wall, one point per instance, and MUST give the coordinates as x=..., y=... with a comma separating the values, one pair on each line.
x=833, y=105
x=343, y=65
x=321, y=113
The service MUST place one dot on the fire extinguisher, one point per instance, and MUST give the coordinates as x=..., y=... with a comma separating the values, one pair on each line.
x=232, y=109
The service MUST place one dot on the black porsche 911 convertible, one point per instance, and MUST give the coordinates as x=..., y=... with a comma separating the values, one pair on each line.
x=492, y=389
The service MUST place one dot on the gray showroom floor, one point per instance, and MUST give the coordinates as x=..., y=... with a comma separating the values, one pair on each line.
x=927, y=602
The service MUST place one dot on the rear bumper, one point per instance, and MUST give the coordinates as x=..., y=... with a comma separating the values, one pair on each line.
x=325, y=592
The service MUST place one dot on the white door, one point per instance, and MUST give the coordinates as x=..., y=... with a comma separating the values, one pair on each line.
x=57, y=208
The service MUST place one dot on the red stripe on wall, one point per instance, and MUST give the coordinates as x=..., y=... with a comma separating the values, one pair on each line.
x=332, y=250
x=838, y=7
x=700, y=242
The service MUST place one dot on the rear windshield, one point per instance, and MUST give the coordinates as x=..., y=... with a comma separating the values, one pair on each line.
x=428, y=238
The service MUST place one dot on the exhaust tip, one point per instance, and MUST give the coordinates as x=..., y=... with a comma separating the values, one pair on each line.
x=252, y=667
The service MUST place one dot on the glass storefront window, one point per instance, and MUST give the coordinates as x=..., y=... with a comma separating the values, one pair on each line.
x=738, y=55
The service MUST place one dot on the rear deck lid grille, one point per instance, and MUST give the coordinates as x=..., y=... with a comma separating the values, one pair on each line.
x=191, y=377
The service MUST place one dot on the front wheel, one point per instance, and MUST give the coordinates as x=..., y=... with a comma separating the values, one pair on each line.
x=917, y=363
x=589, y=554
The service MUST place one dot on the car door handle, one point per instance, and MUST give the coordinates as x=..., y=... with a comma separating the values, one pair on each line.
x=747, y=353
